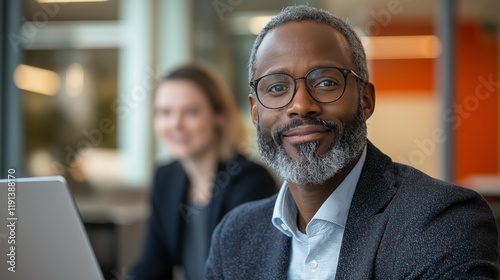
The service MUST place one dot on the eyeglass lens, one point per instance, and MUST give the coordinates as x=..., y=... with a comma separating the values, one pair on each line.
x=324, y=84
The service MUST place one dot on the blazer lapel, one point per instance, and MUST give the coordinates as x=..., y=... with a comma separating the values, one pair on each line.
x=277, y=259
x=264, y=252
x=366, y=221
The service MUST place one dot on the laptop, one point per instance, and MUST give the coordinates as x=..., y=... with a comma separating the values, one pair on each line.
x=41, y=234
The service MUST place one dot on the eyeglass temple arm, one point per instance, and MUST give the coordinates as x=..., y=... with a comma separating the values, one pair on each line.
x=358, y=76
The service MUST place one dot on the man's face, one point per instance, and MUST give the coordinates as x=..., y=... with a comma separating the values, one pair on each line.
x=323, y=136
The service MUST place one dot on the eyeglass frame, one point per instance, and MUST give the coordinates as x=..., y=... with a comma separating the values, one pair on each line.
x=345, y=72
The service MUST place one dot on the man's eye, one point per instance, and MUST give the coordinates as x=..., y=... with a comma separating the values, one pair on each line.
x=277, y=88
x=327, y=83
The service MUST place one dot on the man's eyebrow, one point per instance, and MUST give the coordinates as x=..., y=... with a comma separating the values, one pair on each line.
x=286, y=71
x=278, y=70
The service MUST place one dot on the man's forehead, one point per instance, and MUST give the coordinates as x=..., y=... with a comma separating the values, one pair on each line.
x=306, y=42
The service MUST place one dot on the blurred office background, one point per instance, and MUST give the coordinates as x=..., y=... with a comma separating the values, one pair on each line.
x=77, y=79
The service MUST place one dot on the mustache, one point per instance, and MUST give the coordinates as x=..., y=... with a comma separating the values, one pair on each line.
x=278, y=133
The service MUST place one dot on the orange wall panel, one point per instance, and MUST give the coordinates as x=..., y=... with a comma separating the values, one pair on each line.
x=403, y=76
x=475, y=114
x=476, y=109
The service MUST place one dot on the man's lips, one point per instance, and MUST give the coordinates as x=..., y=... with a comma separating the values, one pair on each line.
x=306, y=133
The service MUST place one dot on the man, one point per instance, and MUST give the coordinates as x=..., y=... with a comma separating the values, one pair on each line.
x=345, y=210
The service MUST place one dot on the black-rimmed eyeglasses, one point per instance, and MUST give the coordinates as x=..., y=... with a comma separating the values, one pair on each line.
x=324, y=84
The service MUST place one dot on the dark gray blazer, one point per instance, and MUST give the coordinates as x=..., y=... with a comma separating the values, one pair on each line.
x=402, y=224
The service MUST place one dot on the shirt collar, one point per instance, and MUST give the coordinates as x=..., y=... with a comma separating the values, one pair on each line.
x=335, y=209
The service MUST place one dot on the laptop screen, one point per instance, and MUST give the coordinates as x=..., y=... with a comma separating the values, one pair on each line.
x=41, y=233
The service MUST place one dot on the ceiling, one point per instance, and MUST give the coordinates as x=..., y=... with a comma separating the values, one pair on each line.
x=409, y=10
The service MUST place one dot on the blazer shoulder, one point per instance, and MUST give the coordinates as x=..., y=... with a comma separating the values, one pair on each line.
x=409, y=191
x=418, y=185
x=406, y=179
x=424, y=201
x=432, y=220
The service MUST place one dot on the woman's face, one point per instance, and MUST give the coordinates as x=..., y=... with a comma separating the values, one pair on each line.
x=184, y=119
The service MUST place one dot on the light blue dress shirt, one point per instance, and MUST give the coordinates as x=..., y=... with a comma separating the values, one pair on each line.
x=315, y=255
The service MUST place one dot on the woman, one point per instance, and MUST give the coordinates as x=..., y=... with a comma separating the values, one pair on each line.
x=197, y=120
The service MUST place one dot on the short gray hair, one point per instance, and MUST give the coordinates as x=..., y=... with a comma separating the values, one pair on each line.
x=303, y=13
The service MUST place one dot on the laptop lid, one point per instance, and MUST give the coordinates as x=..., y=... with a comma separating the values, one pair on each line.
x=41, y=233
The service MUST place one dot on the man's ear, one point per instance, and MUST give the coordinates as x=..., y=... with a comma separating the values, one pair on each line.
x=368, y=100
x=253, y=108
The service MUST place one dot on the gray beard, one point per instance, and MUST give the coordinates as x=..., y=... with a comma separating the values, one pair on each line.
x=310, y=167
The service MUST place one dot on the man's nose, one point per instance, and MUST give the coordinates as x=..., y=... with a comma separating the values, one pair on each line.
x=303, y=105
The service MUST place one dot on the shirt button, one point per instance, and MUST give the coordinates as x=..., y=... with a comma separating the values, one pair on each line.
x=285, y=228
x=313, y=265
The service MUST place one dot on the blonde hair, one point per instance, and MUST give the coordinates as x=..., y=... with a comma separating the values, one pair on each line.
x=233, y=134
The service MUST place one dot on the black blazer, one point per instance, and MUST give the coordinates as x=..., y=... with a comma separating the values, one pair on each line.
x=236, y=182
x=402, y=224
